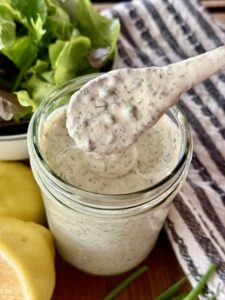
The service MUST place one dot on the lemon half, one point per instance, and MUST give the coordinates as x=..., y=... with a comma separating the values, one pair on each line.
x=20, y=196
x=26, y=261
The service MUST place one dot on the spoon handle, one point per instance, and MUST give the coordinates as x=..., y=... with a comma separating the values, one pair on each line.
x=192, y=71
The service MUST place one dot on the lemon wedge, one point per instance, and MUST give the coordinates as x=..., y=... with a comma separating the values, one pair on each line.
x=26, y=261
x=20, y=196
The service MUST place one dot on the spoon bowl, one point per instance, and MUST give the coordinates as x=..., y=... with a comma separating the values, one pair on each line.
x=110, y=112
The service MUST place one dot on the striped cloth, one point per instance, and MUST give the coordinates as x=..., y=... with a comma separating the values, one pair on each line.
x=159, y=32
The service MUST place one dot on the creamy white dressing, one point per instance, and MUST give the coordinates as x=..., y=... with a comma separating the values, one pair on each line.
x=107, y=240
x=108, y=114
x=149, y=160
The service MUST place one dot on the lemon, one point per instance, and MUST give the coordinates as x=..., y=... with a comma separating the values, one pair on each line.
x=20, y=196
x=26, y=261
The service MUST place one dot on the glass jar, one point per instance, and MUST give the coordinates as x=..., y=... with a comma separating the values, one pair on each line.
x=103, y=234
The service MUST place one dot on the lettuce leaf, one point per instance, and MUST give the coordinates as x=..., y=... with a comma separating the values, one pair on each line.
x=31, y=9
x=8, y=8
x=7, y=31
x=35, y=14
x=22, y=53
x=37, y=28
x=39, y=67
x=102, y=31
x=58, y=22
x=35, y=91
x=8, y=105
x=63, y=53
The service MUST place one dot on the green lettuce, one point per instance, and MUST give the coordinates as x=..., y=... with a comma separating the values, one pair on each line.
x=48, y=48
x=63, y=52
x=7, y=31
x=36, y=87
x=22, y=53
x=58, y=23
x=102, y=31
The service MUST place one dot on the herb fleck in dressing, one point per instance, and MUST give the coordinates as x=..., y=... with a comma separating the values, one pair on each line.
x=150, y=159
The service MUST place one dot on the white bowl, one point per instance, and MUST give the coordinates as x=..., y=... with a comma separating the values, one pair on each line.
x=13, y=147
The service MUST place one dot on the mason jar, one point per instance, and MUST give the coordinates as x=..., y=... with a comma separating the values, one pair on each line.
x=103, y=234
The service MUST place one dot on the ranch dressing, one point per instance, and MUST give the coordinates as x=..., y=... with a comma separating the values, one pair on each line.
x=149, y=160
x=102, y=233
x=114, y=230
x=109, y=113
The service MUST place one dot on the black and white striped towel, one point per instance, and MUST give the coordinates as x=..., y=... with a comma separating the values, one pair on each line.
x=159, y=32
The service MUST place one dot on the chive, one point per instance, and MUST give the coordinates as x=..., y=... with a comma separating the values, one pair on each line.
x=172, y=290
x=198, y=289
x=125, y=283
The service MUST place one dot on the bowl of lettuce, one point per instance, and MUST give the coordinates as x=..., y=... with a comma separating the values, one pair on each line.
x=44, y=44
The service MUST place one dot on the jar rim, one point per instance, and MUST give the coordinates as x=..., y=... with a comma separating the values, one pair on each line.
x=34, y=147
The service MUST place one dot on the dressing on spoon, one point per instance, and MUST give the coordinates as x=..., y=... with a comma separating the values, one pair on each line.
x=109, y=113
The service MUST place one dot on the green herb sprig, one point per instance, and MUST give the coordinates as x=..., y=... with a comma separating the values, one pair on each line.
x=170, y=293
x=125, y=283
